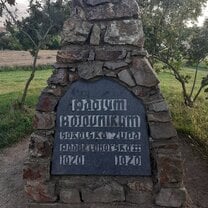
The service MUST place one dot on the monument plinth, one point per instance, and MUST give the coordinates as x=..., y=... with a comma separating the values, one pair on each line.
x=103, y=133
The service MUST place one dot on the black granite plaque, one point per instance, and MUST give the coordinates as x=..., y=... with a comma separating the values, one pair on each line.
x=101, y=129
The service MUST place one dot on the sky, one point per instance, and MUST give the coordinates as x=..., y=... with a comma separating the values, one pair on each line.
x=22, y=6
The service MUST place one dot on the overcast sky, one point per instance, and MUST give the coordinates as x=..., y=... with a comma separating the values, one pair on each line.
x=22, y=6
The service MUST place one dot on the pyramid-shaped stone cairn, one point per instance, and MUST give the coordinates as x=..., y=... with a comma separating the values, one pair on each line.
x=104, y=39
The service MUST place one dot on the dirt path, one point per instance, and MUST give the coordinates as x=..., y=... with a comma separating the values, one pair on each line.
x=11, y=183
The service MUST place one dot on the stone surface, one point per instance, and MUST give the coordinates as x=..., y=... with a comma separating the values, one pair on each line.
x=70, y=196
x=72, y=55
x=125, y=77
x=95, y=35
x=73, y=77
x=40, y=146
x=44, y=120
x=75, y=31
x=90, y=69
x=143, y=72
x=141, y=185
x=159, y=117
x=112, y=65
x=108, y=11
x=59, y=76
x=109, y=193
x=109, y=54
x=170, y=197
x=97, y=2
x=120, y=33
x=170, y=172
x=40, y=192
x=140, y=198
x=54, y=90
x=36, y=171
x=158, y=106
x=46, y=103
x=162, y=130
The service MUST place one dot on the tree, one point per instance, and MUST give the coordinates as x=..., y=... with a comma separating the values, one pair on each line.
x=165, y=27
x=34, y=31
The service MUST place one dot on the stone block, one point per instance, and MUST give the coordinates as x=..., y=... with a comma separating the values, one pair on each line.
x=75, y=31
x=109, y=54
x=112, y=192
x=44, y=121
x=95, y=35
x=112, y=65
x=59, y=76
x=36, y=171
x=162, y=130
x=144, y=199
x=70, y=196
x=72, y=55
x=46, y=103
x=54, y=90
x=141, y=185
x=120, y=33
x=170, y=171
x=40, y=146
x=169, y=197
x=143, y=72
x=40, y=192
x=125, y=77
x=159, y=116
x=73, y=77
x=97, y=2
x=108, y=11
x=159, y=106
x=90, y=70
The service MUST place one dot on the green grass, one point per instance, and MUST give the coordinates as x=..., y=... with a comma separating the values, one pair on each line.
x=193, y=122
x=16, y=124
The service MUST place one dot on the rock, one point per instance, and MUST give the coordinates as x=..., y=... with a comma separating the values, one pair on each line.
x=60, y=76
x=159, y=117
x=34, y=171
x=144, y=184
x=125, y=77
x=70, y=196
x=143, y=73
x=46, y=103
x=120, y=33
x=162, y=130
x=106, y=54
x=115, y=65
x=95, y=35
x=158, y=106
x=40, y=192
x=97, y=2
x=72, y=55
x=73, y=77
x=170, y=197
x=108, y=11
x=170, y=172
x=75, y=31
x=112, y=192
x=54, y=90
x=44, y=121
x=90, y=70
x=40, y=146
x=141, y=198
x=110, y=73
x=141, y=53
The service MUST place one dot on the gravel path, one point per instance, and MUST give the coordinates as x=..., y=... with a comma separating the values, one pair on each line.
x=11, y=183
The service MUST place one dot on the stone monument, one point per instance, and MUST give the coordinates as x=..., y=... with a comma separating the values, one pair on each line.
x=103, y=135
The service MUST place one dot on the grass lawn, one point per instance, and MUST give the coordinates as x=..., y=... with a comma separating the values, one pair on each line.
x=14, y=124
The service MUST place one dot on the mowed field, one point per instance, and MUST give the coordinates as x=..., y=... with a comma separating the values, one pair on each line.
x=24, y=58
